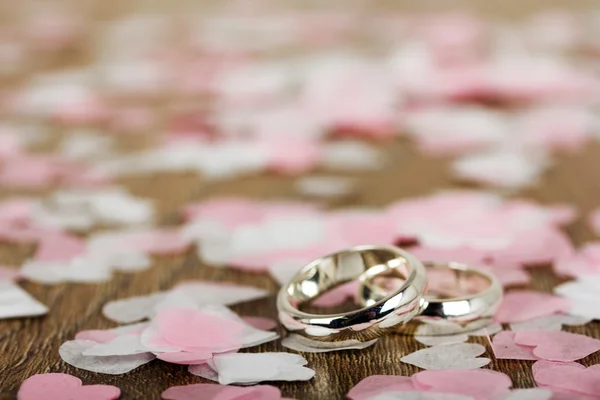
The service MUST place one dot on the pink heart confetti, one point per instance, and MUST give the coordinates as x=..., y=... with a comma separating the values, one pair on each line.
x=262, y=323
x=557, y=345
x=504, y=347
x=64, y=387
x=523, y=305
x=207, y=391
x=573, y=378
x=377, y=384
x=481, y=384
x=586, y=261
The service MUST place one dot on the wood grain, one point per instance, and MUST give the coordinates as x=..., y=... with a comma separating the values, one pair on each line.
x=30, y=346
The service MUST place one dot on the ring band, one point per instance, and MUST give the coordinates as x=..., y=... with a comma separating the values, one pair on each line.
x=376, y=318
x=467, y=300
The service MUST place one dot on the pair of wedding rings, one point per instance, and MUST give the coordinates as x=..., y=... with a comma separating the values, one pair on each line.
x=393, y=296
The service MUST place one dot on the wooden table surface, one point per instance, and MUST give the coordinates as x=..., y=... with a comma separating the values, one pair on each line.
x=30, y=345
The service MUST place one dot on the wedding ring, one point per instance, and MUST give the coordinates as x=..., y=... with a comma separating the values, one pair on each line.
x=460, y=299
x=377, y=317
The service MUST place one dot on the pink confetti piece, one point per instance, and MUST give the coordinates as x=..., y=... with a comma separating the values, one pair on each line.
x=304, y=156
x=89, y=111
x=462, y=254
x=186, y=357
x=523, y=305
x=57, y=246
x=594, y=221
x=510, y=276
x=586, y=261
x=557, y=345
x=16, y=211
x=504, y=347
x=481, y=384
x=159, y=242
x=64, y=387
x=190, y=330
x=54, y=30
x=207, y=391
x=571, y=377
x=448, y=357
x=212, y=329
x=377, y=384
x=9, y=274
x=131, y=119
x=262, y=323
x=535, y=247
x=557, y=128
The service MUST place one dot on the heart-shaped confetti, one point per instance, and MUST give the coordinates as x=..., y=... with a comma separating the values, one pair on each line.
x=558, y=345
x=449, y=356
x=64, y=387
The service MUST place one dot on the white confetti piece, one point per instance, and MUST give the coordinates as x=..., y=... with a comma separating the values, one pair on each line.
x=351, y=156
x=527, y=394
x=325, y=186
x=123, y=345
x=132, y=309
x=15, y=302
x=79, y=269
x=502, y=168
x=442, y=339
x=258, y=367
x=451, y=356
x=582, y=294
x=86, y=145
x=71, y=353
x=84, y=208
